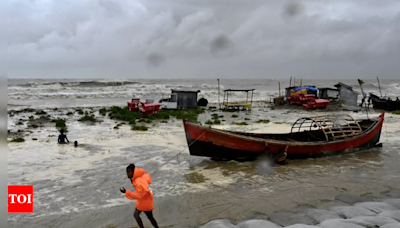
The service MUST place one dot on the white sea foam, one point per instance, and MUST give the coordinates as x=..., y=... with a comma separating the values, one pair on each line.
x=20, y=90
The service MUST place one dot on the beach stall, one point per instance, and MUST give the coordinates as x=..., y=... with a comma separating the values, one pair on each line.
x=305, y=96
x=237, y=105
x=305, y=90
x=144, y=108
x=169, y=101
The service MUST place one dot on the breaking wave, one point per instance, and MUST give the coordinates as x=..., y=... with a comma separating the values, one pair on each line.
x=77, y=84
x=24, y=91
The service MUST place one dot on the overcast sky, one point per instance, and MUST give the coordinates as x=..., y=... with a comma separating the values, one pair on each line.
x=204, y=38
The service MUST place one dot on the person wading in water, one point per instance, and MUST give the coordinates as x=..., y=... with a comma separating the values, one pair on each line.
x=62, y=137
x=142, y=194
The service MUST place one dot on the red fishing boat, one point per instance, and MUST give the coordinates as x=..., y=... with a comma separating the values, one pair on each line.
x=309, y=137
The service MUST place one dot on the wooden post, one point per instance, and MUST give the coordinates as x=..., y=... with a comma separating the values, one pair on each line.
x=219, y=103
x=279, y=89
x=251, y=103
x=227, y=98
x=223, y=102
x=379, y=86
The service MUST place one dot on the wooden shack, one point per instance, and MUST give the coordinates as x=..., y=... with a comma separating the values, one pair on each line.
x=328, y=94
x=186, y=98
x=348, y=97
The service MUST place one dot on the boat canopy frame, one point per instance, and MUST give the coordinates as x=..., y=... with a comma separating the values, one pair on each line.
x=247, y=105
x=334, y=127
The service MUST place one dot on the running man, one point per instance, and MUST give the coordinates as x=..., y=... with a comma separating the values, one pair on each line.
x=142, y=195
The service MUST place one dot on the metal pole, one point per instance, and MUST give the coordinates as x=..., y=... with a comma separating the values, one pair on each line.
x=379, y=86
x=294, y=81
x=301, y=82
x=290, y=82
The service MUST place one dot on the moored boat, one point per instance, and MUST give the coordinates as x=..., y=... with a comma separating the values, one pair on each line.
x=384, y=104
x=309, y=137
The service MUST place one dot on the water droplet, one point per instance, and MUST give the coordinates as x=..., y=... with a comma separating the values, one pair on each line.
x=221, y=46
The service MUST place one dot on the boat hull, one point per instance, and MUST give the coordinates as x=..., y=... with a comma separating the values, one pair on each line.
x=204, y=141
x=379, y=103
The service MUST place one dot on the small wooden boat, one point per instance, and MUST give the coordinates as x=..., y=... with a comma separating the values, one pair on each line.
x=309, y=137
x=384, y=104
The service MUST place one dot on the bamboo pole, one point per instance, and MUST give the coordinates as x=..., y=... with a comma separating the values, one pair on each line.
x=279, y=89
x=219, y=103
x=379, y=86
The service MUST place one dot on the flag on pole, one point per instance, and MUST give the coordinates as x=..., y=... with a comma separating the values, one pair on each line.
x=362, y=91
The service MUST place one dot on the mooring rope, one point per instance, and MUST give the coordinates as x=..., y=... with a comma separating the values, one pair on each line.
x=177, y=155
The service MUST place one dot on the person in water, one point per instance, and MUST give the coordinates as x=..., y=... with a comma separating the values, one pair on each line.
x=143, y=194
x=62, y=137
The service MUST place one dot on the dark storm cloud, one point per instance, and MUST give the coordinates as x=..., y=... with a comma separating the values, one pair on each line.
x=188, y=39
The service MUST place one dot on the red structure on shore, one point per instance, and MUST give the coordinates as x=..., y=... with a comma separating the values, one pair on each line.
x=144, y=108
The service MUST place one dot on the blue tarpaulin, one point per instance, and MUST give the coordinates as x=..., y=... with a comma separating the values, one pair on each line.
x=306, y=87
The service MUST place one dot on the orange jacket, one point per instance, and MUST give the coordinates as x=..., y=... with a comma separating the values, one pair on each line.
x=142, y=194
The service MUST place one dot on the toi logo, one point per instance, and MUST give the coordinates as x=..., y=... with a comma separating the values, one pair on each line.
x=20, y=198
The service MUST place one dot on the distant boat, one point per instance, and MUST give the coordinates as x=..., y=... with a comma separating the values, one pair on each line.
x=384, y=104
x=309, y=137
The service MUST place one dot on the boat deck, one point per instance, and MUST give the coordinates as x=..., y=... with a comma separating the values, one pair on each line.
x=307, y=136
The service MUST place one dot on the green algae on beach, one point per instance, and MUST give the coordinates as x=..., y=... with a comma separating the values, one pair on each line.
x=241, y=123
x=60, y=124
x=124, y=114
x=139, y=128
x=17, y=140
x=211, y=122
x=262, y=121
x=87, y=118
x=40, y=112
